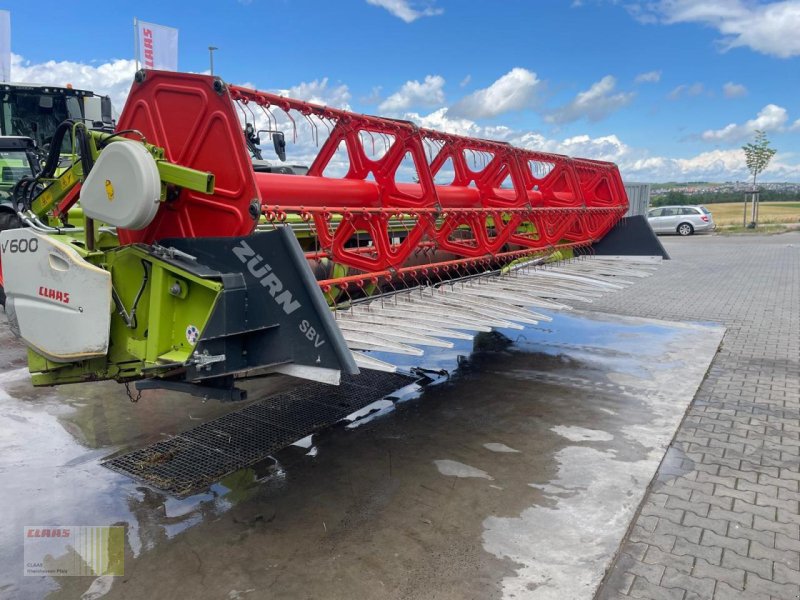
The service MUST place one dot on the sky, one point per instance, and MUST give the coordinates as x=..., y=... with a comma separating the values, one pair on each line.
x=668, y=89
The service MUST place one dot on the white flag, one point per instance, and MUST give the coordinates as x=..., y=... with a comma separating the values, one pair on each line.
x=5, y=45
x=156, y=46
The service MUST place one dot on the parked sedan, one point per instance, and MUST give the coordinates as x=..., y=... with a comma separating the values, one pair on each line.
x=683, y=220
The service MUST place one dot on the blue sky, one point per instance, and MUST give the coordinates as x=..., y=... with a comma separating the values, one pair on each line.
x=668, y=89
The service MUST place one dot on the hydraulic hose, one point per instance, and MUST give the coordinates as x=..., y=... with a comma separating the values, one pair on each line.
x=25, y=189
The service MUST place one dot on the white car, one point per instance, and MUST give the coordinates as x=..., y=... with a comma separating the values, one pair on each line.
x=683, y=220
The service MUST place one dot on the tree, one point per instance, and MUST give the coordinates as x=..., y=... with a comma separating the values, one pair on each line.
x=757, y=155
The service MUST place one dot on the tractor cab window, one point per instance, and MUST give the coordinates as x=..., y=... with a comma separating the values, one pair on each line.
x=14, y=165
x=36, y=115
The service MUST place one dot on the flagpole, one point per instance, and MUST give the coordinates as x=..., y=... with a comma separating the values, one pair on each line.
x=136, y=43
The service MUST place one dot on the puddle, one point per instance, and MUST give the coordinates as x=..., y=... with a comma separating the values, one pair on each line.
x=453, y=468
x=511, y=478
x=580, y=434
x=496, y=447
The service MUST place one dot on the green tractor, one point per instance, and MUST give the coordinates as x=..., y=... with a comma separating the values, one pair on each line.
x=36, y=111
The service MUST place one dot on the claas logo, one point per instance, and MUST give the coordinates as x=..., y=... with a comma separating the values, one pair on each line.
x=57, y=295
x=47, y=532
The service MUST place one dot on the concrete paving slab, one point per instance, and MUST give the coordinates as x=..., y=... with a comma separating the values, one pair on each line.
x=517, y=478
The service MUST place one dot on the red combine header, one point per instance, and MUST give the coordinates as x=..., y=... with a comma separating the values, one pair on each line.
x=194, y=231
x=515, y=198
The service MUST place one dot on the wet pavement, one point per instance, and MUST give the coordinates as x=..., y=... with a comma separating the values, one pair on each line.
x=515, y=478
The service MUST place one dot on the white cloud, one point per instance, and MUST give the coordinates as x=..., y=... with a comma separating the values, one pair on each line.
x=593, y=104
x=769, y=28
x=441, y=120
x=770, y=118
x=516, y=90
x=465, y=81
x=405, y=10
x=636, y=164
x=429, y=92
x=319, y=92
x=113, y=78
x=734, y=90
x=695, y=89
x=715, y=165
x=649, y=77
x=374, y=95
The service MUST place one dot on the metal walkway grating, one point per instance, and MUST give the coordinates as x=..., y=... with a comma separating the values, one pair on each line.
x=195, y=459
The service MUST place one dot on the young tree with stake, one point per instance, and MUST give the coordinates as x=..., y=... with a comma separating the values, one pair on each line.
x=757, y=155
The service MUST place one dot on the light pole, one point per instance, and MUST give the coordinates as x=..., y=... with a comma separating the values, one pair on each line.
x=211, y=57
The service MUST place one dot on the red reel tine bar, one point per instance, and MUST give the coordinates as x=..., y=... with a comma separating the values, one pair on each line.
x=501, y=200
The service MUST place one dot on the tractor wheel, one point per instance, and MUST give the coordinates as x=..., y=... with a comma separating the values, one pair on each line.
x=685, y=229
x=8, y=220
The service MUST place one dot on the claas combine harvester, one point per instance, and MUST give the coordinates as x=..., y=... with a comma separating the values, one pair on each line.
x=168, y=254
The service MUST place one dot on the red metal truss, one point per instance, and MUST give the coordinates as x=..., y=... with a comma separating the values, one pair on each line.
x=515, y=200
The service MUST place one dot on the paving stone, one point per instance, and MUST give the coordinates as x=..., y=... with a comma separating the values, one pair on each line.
x=791, y=530
x=759, y=585
x=728, y=472
x=683, y=547
x=636, y=549
x=719, y=501
x=628, y=564
x=789, y=474
x=784, y=542
x=785, y=494
x=788, y=558
x=659, y=557
x=675, y=515
x=676, y=492
x=737, y=545
x=759, y=469
x=733, y=577
x=642, y=588
x=716, y=479
x=785, y=574
x=698, y=587
x=765, y=537
x=788, y=483
x=766, y=511
x=737, y=517
x=691, y=534
x=718, y=526
x=787, y=516
x=765, y=500
x=761, y=488
x=661, y=541
x=658, y=499
x=740, y=439
x=607, y=594
x=747, y=496
x=697, y=508
x=733, y=560
x=696, y=484
x=725, y=592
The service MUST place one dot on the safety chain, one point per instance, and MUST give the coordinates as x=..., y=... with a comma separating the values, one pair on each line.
x=131, y=397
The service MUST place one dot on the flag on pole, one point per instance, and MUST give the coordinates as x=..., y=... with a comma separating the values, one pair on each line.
x=5, y=45
x=156, y=46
